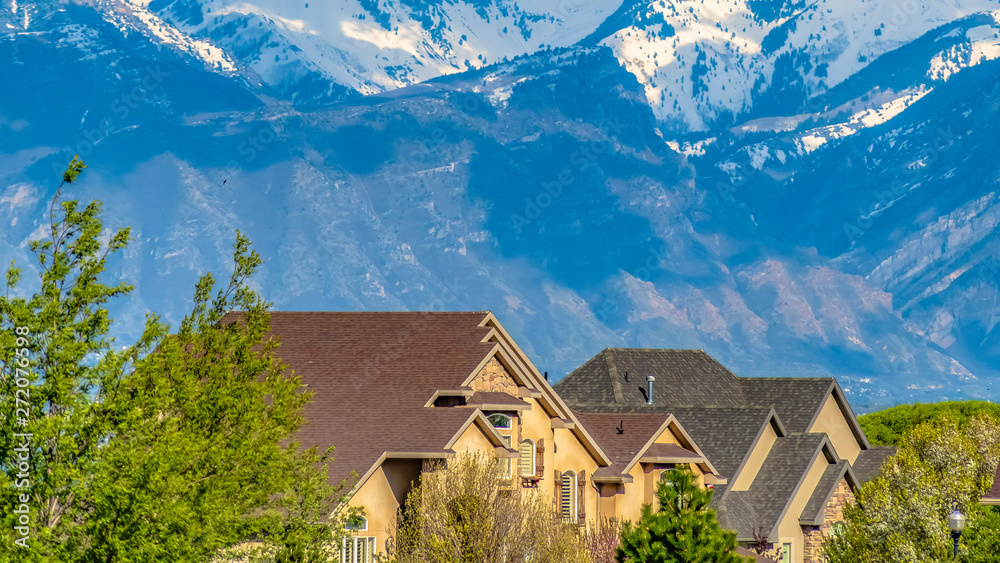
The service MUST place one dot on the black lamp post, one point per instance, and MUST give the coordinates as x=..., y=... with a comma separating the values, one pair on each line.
x=956, y=522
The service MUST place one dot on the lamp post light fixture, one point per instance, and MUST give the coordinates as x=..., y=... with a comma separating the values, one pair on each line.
x=956, y=522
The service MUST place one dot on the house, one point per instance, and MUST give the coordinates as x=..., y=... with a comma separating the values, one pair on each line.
x=992, y=497
x=786, y=453
x=642, y=448
x=394, y=392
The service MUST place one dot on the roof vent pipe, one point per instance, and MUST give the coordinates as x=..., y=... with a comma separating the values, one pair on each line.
x=649, y=389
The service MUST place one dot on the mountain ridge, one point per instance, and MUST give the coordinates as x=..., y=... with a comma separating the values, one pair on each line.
x=547, y=188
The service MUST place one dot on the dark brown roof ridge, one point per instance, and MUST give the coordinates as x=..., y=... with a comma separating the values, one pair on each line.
x=616, y=385
x=364, y=313
x=617, y=348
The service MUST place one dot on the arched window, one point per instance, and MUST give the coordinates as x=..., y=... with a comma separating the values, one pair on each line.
x=527, y=458
x=357, y=523
x=567, y=499
x=499, y=420
x=665, y=475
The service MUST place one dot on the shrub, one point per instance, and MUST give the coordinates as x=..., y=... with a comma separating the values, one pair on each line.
x=466, y=511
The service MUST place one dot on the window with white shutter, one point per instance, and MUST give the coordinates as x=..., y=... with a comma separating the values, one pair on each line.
x=527, y=458
x=567, y=501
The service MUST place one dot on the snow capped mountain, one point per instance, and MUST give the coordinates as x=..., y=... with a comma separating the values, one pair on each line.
x=704, y=62
x=327, y=50
x=797, y=188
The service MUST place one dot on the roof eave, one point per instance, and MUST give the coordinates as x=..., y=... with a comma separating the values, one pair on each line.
x=615, y=479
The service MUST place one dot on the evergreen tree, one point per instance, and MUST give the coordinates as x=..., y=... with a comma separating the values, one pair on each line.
x=682, y=530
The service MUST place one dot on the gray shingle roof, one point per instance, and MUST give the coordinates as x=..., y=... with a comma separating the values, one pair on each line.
x=868, y=463
x=796, y=399
x=724, y=414
x=737, y=513
x=724, y=434
x=683, y=378
x=775, y=485
x=815, y=511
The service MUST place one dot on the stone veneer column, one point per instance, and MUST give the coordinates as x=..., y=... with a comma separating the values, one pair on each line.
x=834, y=512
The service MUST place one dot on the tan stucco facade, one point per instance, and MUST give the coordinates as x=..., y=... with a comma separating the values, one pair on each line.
x=563, y=445
x=382, y=494
x=789, y=530
x=834, y=424
x=557, y=449
x=755, y=459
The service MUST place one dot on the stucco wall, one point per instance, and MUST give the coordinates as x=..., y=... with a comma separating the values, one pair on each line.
x=537, y=426
x=789, y=530
x=667, y=437
x=382, y=494
x=756, y=459
x=832, y=421
x=570, y=455
x=473, y=440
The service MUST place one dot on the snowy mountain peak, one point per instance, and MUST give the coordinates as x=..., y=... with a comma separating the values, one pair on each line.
x=324, y=50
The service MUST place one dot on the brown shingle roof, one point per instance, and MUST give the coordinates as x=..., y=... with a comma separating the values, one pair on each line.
x=371, y=374
x=621, y=448
x=671, y=451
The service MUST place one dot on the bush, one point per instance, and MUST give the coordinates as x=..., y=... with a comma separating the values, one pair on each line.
x=466, y=511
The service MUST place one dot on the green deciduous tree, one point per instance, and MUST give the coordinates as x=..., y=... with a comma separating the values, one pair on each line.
x=682, y=530
x=143, y=456
x=900, y=516
x=888, y=427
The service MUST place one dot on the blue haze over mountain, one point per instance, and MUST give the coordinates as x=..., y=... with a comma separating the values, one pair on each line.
x=797, y=188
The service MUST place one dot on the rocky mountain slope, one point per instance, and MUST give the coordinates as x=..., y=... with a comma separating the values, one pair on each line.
x=842, y=224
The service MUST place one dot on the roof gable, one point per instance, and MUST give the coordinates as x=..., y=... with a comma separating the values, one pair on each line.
x=627, y=437
x=728, y=435
x=814, y=512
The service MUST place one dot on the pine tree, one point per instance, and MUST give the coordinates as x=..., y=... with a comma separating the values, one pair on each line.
x=682, y=530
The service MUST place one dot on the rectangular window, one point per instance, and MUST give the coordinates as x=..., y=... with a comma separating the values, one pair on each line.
x=786, y=553
x=506, y=465
x=358, y=549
